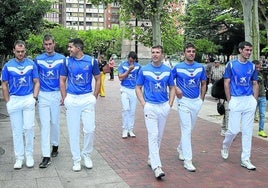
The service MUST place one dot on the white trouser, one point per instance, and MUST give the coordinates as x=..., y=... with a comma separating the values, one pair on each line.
x=49, y=114
x=155, y=120
x=80, y=107
x=21, y=110
x=242, y=110
x=129, y=102
x=188, y=110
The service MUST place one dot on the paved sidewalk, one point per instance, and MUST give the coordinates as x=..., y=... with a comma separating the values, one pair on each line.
x=123, y=162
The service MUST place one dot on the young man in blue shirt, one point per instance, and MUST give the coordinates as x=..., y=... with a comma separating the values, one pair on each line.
x=20, y=86
x=190, y=79
x=153, y=82
x=241, y=89
x=79, y=99
x=49, y=64
x=127, y=74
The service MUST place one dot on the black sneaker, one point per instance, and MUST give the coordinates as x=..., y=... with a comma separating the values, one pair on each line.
x=45, y=162
x=54, y=152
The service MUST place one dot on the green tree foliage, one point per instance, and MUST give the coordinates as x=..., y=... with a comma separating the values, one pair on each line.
x=145, y=9
x=107, y=41
x=18, y=20
x=61, y=35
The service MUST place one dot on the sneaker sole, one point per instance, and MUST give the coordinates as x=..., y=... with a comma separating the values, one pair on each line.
x=247, y=168
x=29, y=166
x=45, y=166
x=190, y=170
x=18, y=168
x=160, y=176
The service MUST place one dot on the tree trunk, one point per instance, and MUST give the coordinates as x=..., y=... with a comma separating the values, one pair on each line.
x=251, y=24
x=156, y=29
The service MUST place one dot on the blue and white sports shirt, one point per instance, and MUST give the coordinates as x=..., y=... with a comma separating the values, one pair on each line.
x=189, y=77
x=19, y=76
x=79, y=73
x=49, y=67
x=241, y=76
x=155, y=81
x=130, y=80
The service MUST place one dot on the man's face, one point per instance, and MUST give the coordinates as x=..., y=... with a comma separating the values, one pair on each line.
x=49, y=46
x=246, y=52
x=73, y=50
x=157, y=55
x=258, y=66
x=189, y=54
x=217, y=64
x=19, y=52
x=131, y=60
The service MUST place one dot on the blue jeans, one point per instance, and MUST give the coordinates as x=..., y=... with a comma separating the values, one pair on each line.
x=262, y=109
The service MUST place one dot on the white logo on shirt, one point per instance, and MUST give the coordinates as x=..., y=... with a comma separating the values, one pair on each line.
x=22, y=80
x=79, y=77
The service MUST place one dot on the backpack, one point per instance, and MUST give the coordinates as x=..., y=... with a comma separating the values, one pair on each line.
x=217, y=89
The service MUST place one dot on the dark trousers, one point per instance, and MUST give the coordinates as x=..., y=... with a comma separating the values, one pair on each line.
x=112, y=73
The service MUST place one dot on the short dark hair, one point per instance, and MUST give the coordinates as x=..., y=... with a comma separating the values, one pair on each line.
x=132, y=55
x=158, y=46
x=243, y=44
x=48, y=37
x=77, y=42
x=256, y=62
x=19, y=43
x=189, y=45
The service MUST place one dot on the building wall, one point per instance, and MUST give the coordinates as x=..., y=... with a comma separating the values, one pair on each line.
x=79, y=14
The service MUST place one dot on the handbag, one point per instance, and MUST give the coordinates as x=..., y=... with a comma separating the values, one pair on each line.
x=220, y=107
x=106, y=69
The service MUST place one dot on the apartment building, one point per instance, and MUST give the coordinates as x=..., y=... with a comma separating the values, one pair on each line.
x=83, y=15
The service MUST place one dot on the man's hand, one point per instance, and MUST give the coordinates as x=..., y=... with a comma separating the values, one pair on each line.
x=178, y=93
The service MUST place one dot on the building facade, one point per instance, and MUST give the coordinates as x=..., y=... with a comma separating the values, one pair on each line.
x=83, y=15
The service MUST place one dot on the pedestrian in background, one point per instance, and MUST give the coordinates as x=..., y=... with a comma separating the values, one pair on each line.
x=261, y=105
x=217, y=71
x=241, y=89
x=127, y=74
x=190, y=79
x=111, y=65
x=80, y=100
x=208, y=65
x=49, y=64
x=153, y=82
x=101, y=64
x=20, y=87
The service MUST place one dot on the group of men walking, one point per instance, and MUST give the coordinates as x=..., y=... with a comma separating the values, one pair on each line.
x=52, y=80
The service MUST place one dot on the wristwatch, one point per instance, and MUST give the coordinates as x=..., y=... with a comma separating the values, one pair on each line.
x=36, y=98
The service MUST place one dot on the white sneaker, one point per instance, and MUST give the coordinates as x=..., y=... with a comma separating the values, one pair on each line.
x=125, y=133
x=77, y=166
x=224, y=153
x=131, y=134
x=29, y=161
x=18, y=164
x=180, y=155
x=189, y=166
x=158, y=172
x=247, y=164
x=223, y=132
x=87, y=161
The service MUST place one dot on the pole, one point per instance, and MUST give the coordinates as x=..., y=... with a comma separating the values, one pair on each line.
x=136, y=37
